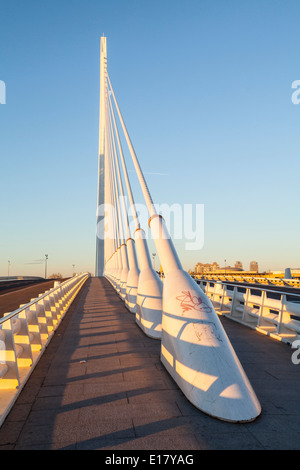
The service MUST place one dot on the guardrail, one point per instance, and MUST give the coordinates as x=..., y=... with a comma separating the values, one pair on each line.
x=274, y=313
x=26, y=332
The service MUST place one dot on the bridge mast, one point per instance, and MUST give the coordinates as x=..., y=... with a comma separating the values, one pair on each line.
x=101, y=163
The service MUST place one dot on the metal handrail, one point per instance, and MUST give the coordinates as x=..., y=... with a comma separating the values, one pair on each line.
x=32, y=302
x=22, y=347
x=239, y=278
x=249, y=287
x=277, y=317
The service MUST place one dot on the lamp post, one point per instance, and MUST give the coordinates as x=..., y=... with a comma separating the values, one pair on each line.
x=8, y=266
x=46, y=258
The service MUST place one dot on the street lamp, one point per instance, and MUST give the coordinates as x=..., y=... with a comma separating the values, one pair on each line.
x=46, y=257
x=8, y=266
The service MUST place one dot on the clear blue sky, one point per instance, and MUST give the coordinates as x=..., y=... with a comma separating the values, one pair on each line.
x=205, y=90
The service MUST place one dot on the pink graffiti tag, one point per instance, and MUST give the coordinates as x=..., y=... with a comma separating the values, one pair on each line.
x=192, y=302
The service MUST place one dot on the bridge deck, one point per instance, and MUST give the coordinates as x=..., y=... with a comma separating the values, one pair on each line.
x=100, y=385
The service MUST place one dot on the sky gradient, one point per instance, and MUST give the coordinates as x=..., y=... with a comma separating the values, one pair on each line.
x=205, y=89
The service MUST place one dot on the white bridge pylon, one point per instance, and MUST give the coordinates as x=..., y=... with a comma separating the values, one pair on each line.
x=195, y=349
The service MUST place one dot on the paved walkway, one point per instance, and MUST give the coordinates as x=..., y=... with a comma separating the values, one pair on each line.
x=100, y=385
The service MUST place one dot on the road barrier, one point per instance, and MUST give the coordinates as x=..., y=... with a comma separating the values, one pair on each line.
x=274, y=313
x=26, y=332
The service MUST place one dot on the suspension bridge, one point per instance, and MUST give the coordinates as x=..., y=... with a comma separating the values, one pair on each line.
x=137, y=355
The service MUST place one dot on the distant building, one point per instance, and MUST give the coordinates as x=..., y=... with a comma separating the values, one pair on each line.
x=201, y=268
x=238, y=265
x=254, y=266
x=215, y=269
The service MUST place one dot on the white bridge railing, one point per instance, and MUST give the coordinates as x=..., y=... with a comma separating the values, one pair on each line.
x=272, y=312
x=26, y=332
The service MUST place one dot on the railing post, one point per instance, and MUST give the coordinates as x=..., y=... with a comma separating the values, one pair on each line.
x=223, y=293
x=233, y=302
x=214, y=291
x=8, y=359
x=245, y=313
x=261, y=309
x=280, y=316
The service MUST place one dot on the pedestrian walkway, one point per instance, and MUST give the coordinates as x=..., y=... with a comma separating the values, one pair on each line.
x=100, y=385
